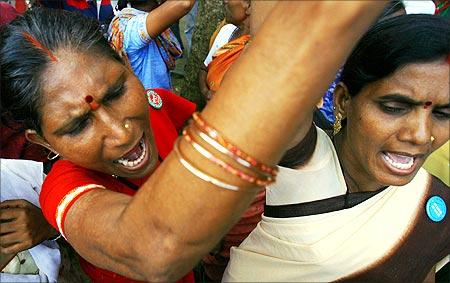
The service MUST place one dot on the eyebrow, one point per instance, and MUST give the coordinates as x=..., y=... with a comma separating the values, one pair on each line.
x=399, y=98
x=407, y=100
x=118, y=84
x=116, y=87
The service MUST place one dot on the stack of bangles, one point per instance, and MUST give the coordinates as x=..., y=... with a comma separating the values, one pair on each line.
x=242, y=165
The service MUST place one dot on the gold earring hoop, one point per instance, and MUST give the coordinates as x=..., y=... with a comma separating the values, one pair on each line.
x=52, y=157
x=432, y=138
x=337, y=124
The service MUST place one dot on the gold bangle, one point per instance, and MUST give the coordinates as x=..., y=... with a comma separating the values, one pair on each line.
x=226, y=166
x=198, y=173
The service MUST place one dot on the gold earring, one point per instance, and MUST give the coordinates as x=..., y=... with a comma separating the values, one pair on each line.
x=432, y=138
x=337, y=124
x=50, y=157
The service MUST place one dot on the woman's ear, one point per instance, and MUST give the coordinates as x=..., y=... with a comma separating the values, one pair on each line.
x=341, y=99
x=33, y=137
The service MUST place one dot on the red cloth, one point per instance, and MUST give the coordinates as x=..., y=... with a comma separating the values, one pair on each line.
x=7, y=13
x=65, y=176
x=14, y=145
x=215, y=264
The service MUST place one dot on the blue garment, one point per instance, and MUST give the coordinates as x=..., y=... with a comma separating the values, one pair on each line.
x=142, y=51
x=327, y=107
x=190, y=24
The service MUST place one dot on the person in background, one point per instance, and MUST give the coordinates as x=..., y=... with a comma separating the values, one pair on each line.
x=361, y=208
x=101, y=10
x=116, y=137
x=227, y=46
x=190, y=20
x=141, y=35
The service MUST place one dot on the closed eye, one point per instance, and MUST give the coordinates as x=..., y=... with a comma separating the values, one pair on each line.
x=393, y=107
x=441, y=114
x=114, y=93
x=79, y=127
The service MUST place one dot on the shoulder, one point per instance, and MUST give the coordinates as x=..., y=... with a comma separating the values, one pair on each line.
x=64, y=179
x=177, y=108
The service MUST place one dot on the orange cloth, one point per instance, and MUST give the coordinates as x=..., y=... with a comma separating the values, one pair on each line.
x=223, y=59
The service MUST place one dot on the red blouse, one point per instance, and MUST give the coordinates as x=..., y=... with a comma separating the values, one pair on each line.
x=66, y=182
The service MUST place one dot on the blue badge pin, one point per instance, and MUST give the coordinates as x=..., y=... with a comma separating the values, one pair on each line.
x=154, y=99
x=436, y=208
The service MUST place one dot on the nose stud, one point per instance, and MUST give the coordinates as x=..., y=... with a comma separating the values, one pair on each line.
x=432, y=139
x=126, y=126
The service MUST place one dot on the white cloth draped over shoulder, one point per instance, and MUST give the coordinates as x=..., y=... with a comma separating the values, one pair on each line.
x=328, y=246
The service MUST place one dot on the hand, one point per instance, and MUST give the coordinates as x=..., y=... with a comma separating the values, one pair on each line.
x=22, y=226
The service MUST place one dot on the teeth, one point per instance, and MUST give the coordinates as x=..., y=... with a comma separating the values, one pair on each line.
x=403, y=166
x=131, y=163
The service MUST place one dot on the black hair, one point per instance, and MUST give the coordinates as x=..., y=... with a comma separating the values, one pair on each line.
x=391, y=8
x=123, y=3
x=393, y=43
x=22, y=64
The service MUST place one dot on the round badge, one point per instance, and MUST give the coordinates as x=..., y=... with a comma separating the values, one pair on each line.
x=154, y=99
x=436, y=208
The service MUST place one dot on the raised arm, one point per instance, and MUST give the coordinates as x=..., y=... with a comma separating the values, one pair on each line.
x=268, y=94
x=159, y=19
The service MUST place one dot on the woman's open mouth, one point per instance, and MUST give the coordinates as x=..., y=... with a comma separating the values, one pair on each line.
x=400, y=163
x=136, y=158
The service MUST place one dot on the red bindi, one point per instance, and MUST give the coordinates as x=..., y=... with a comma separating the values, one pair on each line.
x=92, y=103
x=427, y=104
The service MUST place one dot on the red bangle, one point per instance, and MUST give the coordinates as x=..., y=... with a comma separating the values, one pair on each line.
x=234, y=151
x=229, y=168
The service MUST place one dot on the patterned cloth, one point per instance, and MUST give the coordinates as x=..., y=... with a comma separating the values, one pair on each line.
x=443, y=9
x=150, y=59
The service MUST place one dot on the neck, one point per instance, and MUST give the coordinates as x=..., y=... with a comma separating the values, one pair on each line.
x=355, y=182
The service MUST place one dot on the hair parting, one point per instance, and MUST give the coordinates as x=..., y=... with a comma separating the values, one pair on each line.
x=38, y=45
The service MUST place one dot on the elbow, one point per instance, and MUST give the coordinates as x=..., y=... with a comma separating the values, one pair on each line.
x=186, y=5
x=164, y=259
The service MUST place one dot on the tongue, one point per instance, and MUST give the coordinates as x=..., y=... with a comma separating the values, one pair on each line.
x=399, y=158
x=133, y=154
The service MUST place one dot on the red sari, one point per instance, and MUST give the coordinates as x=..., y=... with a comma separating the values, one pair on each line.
x=66, y=176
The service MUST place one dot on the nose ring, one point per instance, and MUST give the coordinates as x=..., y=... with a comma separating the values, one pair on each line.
x=126, y=126
x=432, y=139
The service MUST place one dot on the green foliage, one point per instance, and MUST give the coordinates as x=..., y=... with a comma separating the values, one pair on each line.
x=210, y=14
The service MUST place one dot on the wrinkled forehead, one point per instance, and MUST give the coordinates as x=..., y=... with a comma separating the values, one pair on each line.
x=74, y=76
x=77, y=72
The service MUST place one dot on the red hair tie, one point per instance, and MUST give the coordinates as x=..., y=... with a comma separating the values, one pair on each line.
x=38, y=45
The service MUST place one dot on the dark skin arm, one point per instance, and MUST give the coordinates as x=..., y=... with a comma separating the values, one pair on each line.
x=22, y=227
x=176, y=218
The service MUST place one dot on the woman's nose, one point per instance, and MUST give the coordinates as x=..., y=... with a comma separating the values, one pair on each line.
x=117, y=131
x=417, y=129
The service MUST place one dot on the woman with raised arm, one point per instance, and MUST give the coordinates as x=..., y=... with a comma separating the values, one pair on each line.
x=81, y=101
x=361, y=208
x=140, y=33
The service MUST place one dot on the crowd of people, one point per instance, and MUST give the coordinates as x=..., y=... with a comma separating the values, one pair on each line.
x=321, y=155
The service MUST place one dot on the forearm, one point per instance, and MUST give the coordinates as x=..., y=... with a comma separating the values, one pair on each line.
x=166, y=14
x=176, y=218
